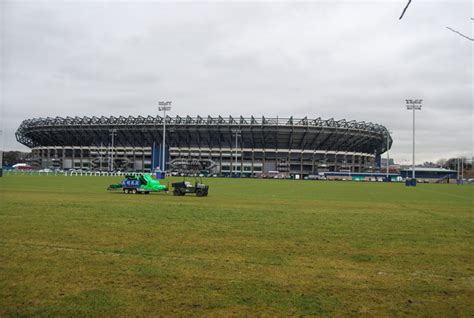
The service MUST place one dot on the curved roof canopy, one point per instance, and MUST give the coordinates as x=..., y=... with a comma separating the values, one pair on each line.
x=213, y=132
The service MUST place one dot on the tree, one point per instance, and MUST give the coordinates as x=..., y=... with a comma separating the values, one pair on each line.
x=12, y=157
x=441, y=162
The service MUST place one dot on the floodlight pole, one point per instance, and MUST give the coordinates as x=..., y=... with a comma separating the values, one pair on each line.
x=413, y=105
x=388, y=156
x=456, y=165
x=164, y=106
x=113, y=132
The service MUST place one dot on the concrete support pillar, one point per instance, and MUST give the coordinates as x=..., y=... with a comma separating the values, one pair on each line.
x=352, y=163
x=241, y=160
x=100, y=157
x=63, y=157
x=48, y=151
x=252, y=172
x=90, y=157
x=301, y=164
x=377, y=160
x=82, y=155
x=73, y=157
x=220, y=161
x=232, y=158
x=134, y=158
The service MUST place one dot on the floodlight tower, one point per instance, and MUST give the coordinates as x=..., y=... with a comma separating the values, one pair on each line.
x=413, y=105
x=163, y=107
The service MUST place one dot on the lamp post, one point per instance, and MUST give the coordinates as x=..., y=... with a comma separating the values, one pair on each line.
x=458, y=170
x=413, y=105
x=113, y=132
x=388, y=155
x=164, y=106
x=236, y=132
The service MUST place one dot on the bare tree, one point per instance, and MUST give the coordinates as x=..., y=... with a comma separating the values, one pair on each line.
x=441, y=162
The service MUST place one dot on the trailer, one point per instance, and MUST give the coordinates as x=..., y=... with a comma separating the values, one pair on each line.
x=138, y=184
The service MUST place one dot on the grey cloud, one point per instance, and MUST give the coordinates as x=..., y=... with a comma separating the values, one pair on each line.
x=343, y=59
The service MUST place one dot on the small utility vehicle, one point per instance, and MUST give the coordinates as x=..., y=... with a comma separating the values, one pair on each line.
x=198, y=188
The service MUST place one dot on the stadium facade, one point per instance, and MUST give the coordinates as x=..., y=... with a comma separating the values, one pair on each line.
x=226, y=145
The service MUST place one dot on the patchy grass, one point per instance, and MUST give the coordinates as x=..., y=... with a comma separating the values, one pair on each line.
x=253, y=247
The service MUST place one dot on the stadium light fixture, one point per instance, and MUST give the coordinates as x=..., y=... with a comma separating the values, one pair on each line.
x=414, y=105
x=164, y=107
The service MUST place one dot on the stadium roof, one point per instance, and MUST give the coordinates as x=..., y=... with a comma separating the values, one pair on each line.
x=428, y=169
x=212, y=132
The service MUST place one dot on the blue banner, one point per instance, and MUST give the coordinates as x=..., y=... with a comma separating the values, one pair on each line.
x=157, y=156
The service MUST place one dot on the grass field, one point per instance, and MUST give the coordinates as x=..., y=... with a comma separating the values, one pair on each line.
x=251, y=248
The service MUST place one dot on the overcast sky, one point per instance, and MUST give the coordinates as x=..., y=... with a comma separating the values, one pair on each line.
x=332, y=59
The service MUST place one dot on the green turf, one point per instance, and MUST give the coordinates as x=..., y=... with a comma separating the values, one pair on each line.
x=251, y=248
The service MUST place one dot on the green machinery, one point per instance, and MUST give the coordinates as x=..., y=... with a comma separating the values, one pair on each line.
x=142, y=183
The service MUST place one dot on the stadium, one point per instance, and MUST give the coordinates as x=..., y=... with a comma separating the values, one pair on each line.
x=222, y=145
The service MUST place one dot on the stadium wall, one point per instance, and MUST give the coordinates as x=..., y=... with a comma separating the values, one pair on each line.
x=248, y=146
x=225, y=161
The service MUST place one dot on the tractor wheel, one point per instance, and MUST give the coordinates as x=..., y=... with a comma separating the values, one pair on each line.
x=134, y=191
x=199, y=193
x=176, y=192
